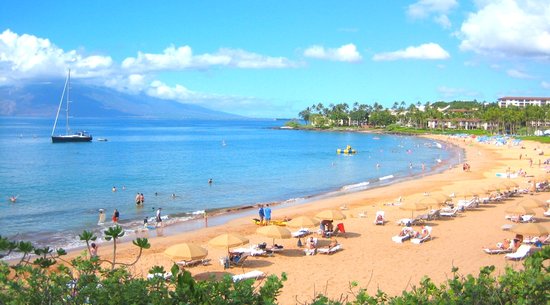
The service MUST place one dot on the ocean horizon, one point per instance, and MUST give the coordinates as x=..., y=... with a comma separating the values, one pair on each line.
x=61, y=187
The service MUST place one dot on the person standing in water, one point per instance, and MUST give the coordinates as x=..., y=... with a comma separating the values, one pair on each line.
x=116, y=216
x=159, y=218
x=101, y=217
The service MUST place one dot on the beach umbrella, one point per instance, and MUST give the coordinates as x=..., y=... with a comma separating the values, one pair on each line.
x=443, y=198
x=470, y=192
x=228, y=240
x=531, y=229
x=413, y=206
x=274, y=232
x=519, y=210
x=186, y=251
x=531, y=203
x=303, y=222
x=431, y=201
x=331, y=215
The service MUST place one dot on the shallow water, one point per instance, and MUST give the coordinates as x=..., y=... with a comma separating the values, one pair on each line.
x=62, y=186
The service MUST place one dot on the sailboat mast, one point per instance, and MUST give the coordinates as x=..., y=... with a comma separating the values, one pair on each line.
x=68, y=101
x=59, y=107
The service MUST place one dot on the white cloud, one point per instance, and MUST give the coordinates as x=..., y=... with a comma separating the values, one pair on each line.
x=508, y=28
x=347, y=53
x=424, y=51
x=424, y=8
x=518, y=74
x=182, y=58
x=437, y=8
x=545, y=84
x=27, y=56
x=443, y=21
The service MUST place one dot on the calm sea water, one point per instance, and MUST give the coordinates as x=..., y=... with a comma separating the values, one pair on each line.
x=62, y=186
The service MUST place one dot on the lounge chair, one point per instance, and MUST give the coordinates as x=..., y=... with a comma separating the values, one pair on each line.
x=449, y=212
x=330, y=250
x=165, y=275
x=240, y=262
x=301, y=233
x=254, y=274
x=195, y=262
x=547, y=213
x=520, y=253
x=496, y=251
x=340, y=230
x=252, y=251
x=419, y=240
x=468, y=204
x=379, y=218
x=311, y=250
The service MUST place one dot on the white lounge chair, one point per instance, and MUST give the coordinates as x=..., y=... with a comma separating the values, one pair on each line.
x=423, y=239
x=254, y=274
x=449, y=212
x=547, y=213
x=166, y=275
x=521, y=253
x=301, y=233
x=330, y=250
x=496, y=251
x=379, y=218
x=195, y=262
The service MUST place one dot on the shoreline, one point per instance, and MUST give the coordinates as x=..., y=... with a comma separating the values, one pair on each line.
x=220, y=216
x=369, y=256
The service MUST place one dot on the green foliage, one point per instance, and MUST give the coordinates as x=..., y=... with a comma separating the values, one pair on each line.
x=545, y=139
x=85, y=281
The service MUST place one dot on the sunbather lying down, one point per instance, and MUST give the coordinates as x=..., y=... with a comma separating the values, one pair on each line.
x=505, y=244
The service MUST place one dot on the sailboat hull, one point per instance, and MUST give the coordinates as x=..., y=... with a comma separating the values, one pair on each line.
x=72, y=138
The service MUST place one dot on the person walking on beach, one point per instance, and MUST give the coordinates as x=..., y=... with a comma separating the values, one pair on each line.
x=93, y=250
x=159, y=218
x=267, y=214
x=261, y=214
x=116, y=216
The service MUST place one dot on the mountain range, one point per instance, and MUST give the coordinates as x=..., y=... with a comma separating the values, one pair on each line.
x=42, y=100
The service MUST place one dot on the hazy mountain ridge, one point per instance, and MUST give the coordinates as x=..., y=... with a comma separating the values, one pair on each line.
x=42, y=100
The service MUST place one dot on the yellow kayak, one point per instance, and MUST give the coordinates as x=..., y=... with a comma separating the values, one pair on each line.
x=272, y=222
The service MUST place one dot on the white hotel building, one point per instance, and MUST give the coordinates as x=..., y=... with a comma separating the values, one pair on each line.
x=522, y=101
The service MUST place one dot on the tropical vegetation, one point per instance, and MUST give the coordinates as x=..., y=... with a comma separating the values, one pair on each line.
x=510, y=120
x=43, y=276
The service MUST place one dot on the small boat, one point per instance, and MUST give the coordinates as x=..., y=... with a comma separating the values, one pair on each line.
x=348, y=150
x=79, y=136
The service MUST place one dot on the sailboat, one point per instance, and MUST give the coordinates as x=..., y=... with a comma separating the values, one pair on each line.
x=79, y=136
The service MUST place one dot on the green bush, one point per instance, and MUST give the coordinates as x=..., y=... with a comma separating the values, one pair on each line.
x=48, y=279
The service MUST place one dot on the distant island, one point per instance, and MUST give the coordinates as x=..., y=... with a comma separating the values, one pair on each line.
x=41, y=100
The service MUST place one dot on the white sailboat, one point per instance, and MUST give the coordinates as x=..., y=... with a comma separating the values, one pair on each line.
x=79, y=136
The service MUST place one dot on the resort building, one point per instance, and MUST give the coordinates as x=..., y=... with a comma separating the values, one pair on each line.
x=459, y=124
x=521, y=101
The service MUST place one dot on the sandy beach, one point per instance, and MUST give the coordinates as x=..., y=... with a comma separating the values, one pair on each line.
x=369, y=255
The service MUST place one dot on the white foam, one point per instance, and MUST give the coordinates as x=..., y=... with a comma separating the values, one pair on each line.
x=385, y=177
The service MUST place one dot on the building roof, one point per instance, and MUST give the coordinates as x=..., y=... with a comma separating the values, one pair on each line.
x=523, y=98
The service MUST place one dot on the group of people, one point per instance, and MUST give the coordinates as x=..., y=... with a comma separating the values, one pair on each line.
x=140, y=199
x=265, y=214
x=411, y=233
x=311, y=245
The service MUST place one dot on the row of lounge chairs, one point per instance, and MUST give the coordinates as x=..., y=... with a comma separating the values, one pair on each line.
x=408, y=233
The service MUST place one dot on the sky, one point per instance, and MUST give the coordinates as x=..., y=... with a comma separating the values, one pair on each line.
x=275, y=58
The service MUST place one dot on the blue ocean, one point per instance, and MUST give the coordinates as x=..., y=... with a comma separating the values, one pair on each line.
x=61, y=187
